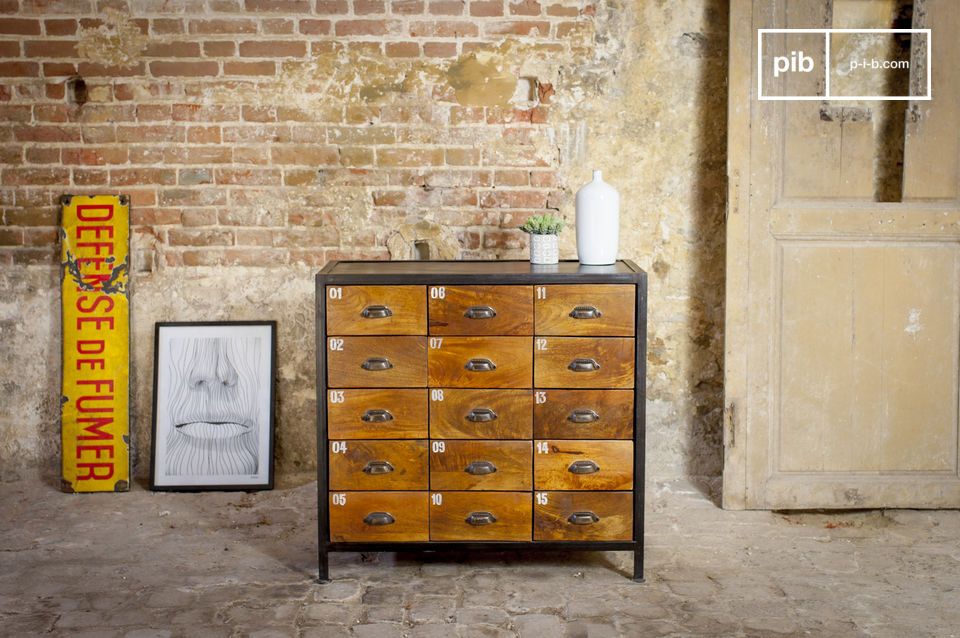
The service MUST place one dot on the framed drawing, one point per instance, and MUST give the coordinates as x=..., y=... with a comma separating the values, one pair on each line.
x=213, y=405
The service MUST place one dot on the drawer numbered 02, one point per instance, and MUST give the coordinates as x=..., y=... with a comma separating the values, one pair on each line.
x=379, y=516
x=376, y=362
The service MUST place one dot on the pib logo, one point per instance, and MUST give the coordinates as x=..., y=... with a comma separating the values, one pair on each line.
x=796, y=62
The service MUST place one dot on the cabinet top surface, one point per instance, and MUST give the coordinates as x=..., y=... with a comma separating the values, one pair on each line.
x=491, y=272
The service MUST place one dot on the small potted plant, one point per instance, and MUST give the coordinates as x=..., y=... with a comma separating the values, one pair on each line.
x=543, y=231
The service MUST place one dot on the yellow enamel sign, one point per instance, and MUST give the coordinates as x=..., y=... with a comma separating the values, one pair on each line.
x=94, y=406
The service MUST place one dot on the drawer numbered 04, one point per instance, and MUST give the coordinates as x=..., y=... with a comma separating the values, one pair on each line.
x=379, y=516
x=378, y=465
x=583, y=465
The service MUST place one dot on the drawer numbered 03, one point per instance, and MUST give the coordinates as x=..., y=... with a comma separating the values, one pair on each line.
x=379, y=516
x=377, y=414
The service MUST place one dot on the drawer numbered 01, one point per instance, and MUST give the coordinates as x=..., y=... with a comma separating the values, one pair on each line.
x=379, y=516
x=376, y=310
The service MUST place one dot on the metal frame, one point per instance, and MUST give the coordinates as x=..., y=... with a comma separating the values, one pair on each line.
x=273, y=408
x=536, y=276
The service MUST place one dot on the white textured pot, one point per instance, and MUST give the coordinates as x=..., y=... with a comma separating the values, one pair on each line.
x=544, y=249
x=598, y=222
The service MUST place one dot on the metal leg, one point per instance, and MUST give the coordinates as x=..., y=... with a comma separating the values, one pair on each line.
x=324, y=574
x=638, y=565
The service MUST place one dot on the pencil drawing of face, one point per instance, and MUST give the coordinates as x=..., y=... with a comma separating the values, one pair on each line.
x=213, y=403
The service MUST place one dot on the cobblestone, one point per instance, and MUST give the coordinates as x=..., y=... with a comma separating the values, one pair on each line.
x=144, y=564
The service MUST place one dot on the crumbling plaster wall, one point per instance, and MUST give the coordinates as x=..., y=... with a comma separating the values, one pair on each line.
x=637, y=89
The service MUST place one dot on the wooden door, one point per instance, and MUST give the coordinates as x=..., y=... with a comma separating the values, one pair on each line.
x=843, y=312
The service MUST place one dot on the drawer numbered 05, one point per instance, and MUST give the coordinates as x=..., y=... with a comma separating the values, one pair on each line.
x=377, y=362
x=378, y=465
x=376, y=310
x=583, y=362
x=379, y=516
x=480, y=516
x=583, y=516
x=583, y=465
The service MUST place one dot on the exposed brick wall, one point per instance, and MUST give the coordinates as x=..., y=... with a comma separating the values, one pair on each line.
x=186, y=113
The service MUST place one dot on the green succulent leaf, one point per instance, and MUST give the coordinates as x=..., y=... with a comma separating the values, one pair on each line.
x=543, y=225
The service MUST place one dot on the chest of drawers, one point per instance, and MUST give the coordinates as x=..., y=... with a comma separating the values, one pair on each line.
x=480, y=406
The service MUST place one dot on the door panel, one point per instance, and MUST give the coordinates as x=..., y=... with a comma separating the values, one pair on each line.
x=843, y=313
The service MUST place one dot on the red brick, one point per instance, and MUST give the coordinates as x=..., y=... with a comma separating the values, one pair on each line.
x=93, y=69
x=16, y=113
x=459, y=197
x=525, y=7
x=504, y=239
x=55, y=91
x=184, y=69
x=138, y=176
x=154, y=216
x=356, y=156
x=193, y=197
x=50, y=49
x=95, y=155
x=305, y=155
x=19, y=69
x=560, y=10
x=463, y=156
x=9, y=49
x=11, y=155
x=331, y=7
x=54, y=69
x=511, y=178
x=35, y=256
x=260, y=67
x=60, y=27
x=204, y=135
x=206, y=112
x=46, y=134
x=282, y=6
x=35, y=176
x=369, y=7
x=315, y=27
x=153, y=112
x=306, y=237
x=254, y=237
x=166, y=26
x=518, y=27
x=39, y=236
x=407, y=7
x=19, y=26
x=403, y=49
x=486, y=8
x=273, y=49
x=409, y=157
x=219, y=49
x=251, y=176
x=223, y=27
x=544, y=178
x=99, y=134
x=445, y=29
x=367, y=27
x=446, y=7
x=31, y=217
x=11, y=237
x=89, y=177
x=173, y=50
x=440, y=49
x=190, y=237
x=141, y=134
x=198, y=155
x=277, y=26
x=199, y=217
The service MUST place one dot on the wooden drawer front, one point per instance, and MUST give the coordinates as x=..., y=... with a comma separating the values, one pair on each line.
x=460, y=413
x=584, y=362
x=377, y=414
x=379, y=516
x=377, y=362
x=583, y=516
x=376, y=310
x=481, y=362
x=378, y=465
x=583, y=465
x=480, y=465
x=594, y=310
x=480, y=516
x=481, y=310
x=583, y=414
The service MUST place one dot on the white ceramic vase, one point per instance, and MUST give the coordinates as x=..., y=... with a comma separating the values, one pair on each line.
x=544, y=249
x=598, y=222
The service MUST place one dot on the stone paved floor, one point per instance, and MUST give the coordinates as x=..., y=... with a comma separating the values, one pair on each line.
x=233, y=564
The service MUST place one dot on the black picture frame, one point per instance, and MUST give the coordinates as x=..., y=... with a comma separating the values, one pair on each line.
x=165, y=484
